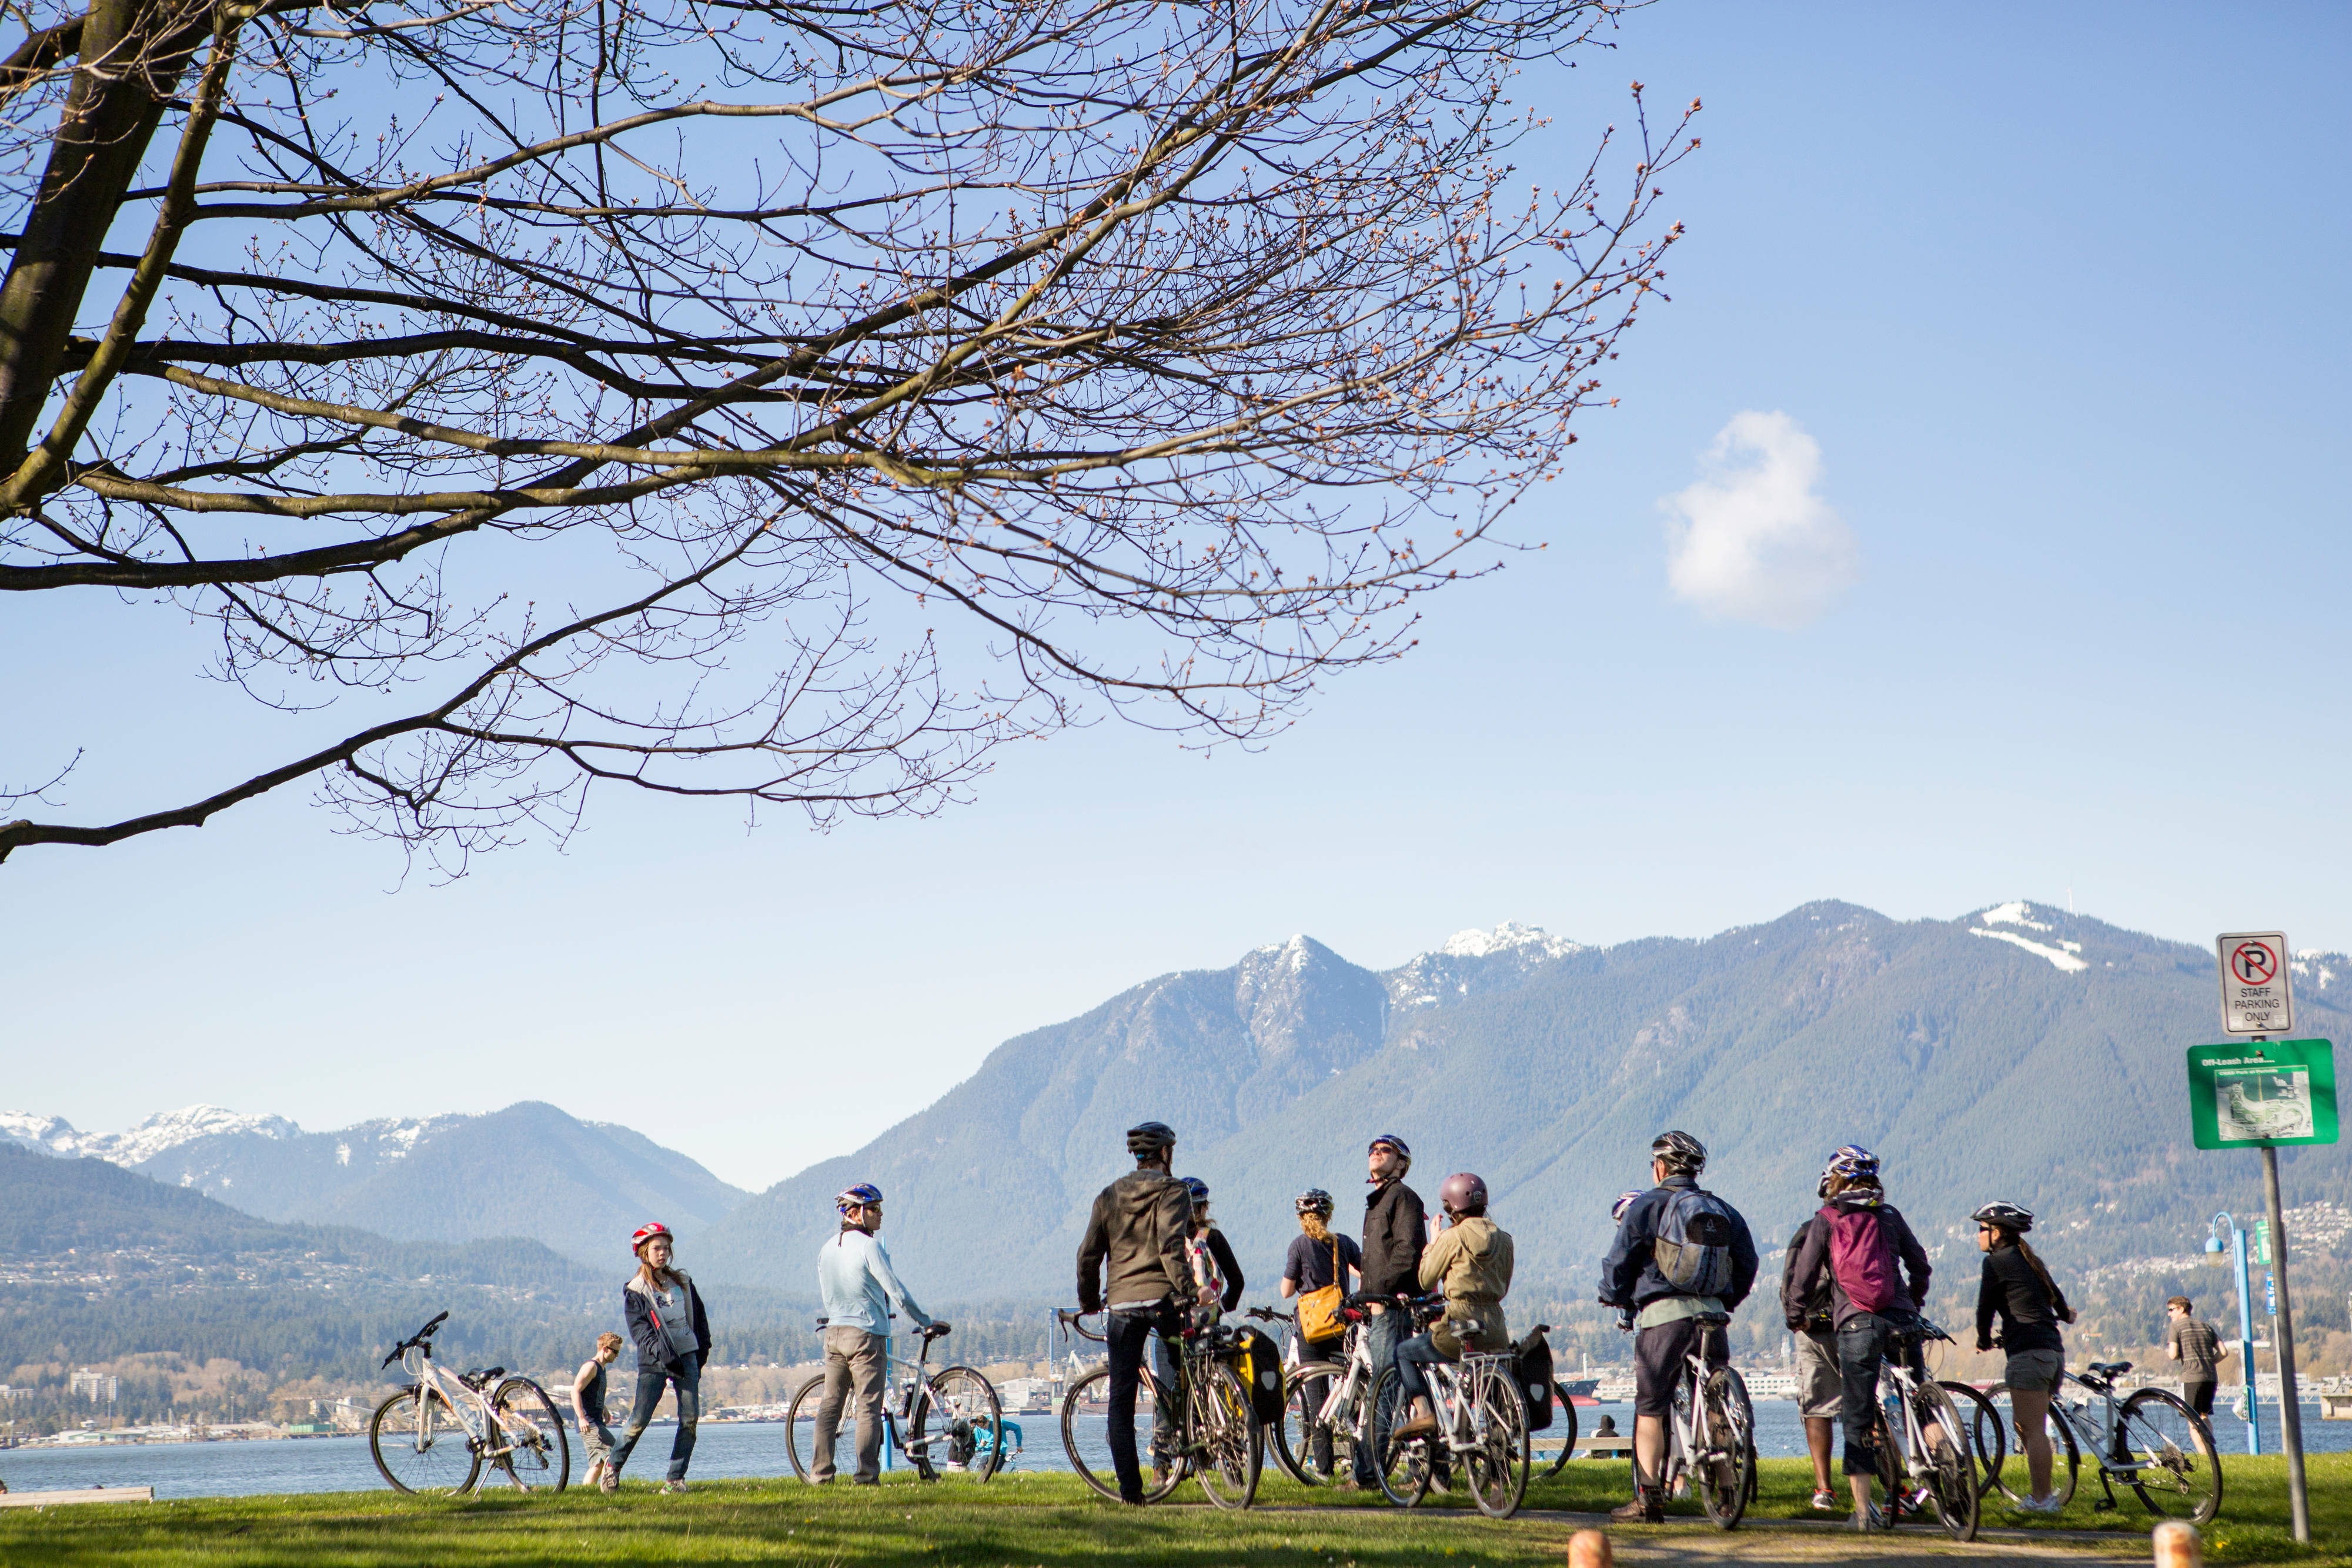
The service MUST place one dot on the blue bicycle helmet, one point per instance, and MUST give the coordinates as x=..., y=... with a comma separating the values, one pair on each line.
x=1197, y=1188
x=1853, y=1164
x=864, y=1195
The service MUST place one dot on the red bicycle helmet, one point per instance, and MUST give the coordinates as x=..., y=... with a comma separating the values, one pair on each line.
x=647, y=1233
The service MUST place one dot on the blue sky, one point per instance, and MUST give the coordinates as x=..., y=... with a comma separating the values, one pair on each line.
x=2059, y=303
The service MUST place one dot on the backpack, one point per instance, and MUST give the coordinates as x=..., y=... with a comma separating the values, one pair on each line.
x=1531, y=1365
x=1693, y=1246
x=1862, y=1258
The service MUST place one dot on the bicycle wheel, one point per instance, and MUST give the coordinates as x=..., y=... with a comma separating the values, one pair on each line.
x=1563, y=1426
x=1951, y=1474
x=957, y=1428
x=1403, y=1469
x=538, y=1450
x=1091, y=1458
x=2016, y=1475
x=1498, y=1468
x=1987, y=1433
x=1720, y=1473
x=433, y=1455
x=1227, y=1444
x=2179, y=1474
x=1296, y=1436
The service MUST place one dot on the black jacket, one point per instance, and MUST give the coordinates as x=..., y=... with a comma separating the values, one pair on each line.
x=1811, y=1309
x=1139, y=1226
x=2028, y=1317
x=1812, y=1270
x=1628, y=1275
x=1394, y=1226
x=645, y=1330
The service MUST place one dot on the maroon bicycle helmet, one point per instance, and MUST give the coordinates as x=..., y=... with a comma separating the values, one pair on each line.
x=1463, y=1194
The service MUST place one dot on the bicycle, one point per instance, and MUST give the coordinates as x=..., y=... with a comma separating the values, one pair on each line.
x=1345, y=1420
x=1711, y=1433
x=1482, y=1422
x=432, y=1436
x=2153, y=1443
x=949, y=1423
x=1946, y=1471
x=1215, y=1438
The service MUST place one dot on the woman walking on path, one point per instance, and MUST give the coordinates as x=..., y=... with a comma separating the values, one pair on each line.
x=2030, y=1307
x=672, y=1336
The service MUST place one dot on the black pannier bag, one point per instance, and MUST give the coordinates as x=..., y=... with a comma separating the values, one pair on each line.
x=1259, y=1360
x=1531, y=1363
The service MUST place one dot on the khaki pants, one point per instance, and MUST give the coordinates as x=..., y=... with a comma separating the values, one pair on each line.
x=854, y=1360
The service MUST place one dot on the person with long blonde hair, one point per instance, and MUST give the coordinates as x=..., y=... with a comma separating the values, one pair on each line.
x=672, y=1334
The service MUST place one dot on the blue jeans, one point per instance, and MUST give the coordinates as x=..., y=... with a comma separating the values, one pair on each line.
x=1412, y=1355
x=1864, y=1341
x=1379, y=1331
x=685, y=1378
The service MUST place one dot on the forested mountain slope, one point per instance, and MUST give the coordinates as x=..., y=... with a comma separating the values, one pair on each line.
x=2021, y=1052
x=580, y=1187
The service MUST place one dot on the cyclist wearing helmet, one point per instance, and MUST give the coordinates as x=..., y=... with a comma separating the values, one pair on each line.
x=857, y=1283
x=1860, y=1249
x=1137, y=1234
x=1818, y=1381
x=1319, y=1259
x=672, y=1334
x=1663, y=1312
x=1470, y=1262
x=1214, y=1267
x=2031, y=1306
x=1395, y=1224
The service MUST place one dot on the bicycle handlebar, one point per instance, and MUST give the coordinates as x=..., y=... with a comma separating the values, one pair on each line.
x=1267, y=1315
x=1069, y=1318
x=423, y=1336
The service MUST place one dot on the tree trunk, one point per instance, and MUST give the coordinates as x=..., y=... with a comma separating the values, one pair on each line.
x=128, y=70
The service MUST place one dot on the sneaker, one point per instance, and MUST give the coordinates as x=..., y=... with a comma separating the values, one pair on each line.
x=1912, y=1504
x=1648, y=1507
x=1824, y=1500
x=610, y=1481
x=1869, y=1517
x=2043, y=1505
x=673, y=1489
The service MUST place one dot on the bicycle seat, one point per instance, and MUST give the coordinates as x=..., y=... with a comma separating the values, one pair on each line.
x=1710, y=1317
x=481, y=1376
x=2110, y=1368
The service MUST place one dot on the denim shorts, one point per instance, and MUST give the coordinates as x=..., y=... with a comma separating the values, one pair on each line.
x=2034, y=1371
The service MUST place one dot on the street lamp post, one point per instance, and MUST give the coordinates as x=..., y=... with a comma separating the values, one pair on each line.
x=2223, y=1222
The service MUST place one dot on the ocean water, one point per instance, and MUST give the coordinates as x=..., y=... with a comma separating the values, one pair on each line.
x=756, y=1449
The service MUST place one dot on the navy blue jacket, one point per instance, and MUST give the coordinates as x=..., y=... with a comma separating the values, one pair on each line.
x=1629, y=1280
x=653, y=1344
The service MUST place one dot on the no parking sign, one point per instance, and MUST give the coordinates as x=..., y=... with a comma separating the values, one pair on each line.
x=2256, y=997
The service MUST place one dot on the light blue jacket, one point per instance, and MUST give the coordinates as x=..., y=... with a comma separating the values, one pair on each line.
x=855, y=1277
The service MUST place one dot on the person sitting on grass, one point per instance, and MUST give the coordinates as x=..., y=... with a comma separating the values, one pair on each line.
x=588, y=1405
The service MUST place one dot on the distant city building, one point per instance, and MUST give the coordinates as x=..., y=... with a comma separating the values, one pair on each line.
x=102, y=1389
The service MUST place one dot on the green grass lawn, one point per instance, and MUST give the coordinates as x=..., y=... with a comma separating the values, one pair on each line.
x=1043, y=1521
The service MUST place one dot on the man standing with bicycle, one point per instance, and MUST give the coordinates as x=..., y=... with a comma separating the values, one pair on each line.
x=1396, y=1226
x=1138, y=1232
x=855, y=1277
x=1681, y=1253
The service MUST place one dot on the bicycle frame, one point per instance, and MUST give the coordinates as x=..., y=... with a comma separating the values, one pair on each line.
x=1686, y=1431
x=1459, y=1390
x=477, y=1416
x=2105, y=1440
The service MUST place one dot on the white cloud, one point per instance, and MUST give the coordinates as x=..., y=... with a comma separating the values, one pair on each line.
x=1754, y=541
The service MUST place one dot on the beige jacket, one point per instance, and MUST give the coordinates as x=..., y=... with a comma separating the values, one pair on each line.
x=1470, y=1261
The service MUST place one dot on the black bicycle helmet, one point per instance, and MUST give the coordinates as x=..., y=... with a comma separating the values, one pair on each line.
x=2010, y=1216
x=1150, y=1138
x=1197, y=1188
x=1681, y=1153
x=1314, y=1201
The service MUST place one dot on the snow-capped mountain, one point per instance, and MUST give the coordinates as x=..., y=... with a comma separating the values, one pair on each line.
x=529, y=1170
x=1472, y=963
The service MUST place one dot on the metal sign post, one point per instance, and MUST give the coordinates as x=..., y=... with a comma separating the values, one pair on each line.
x=2261, y=1094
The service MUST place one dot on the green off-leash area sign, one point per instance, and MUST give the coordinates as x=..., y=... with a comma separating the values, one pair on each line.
x=2248, y=1093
